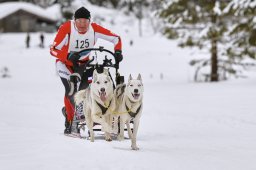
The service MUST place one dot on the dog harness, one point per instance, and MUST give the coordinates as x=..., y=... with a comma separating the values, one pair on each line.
x=103, y=108
x=132, y=114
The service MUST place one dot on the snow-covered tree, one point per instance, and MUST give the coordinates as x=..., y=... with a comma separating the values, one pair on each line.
x=106, y=3
x=143, y=9
x=204, y=24
x=243, y=31
x=66, y=9
x=42, y=3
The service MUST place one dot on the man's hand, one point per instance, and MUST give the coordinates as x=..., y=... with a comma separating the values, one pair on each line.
x=118, y=55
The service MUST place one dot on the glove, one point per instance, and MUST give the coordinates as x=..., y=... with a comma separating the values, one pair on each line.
x=74, y=57
x=118, y=55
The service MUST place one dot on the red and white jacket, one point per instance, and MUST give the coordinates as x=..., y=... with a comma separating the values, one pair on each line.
x=68, y=39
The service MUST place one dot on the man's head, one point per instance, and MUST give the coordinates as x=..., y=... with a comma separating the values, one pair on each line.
x=82, y=19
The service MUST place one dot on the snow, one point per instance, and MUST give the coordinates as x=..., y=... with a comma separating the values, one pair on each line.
x=185, y=125
x=217, y=9
x=205, y=31
x=240, y=4
x=54, y=11
x=8, y=8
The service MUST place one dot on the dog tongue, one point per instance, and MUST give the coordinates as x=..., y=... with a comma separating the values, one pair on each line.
x=136, y=96
x=103, y=96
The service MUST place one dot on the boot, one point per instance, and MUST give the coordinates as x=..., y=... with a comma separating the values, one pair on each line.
x=68, y=127
x=67, y=124
x=71, y=127
x=74, y=128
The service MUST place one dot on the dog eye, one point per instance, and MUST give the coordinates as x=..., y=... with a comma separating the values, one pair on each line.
x=131, y=85
x=98, y=82
x=139, y=85
x=105, y=82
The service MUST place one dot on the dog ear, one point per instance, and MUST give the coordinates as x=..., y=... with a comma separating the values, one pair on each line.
x=139, y=77
x=94, y=77
x=130, y=78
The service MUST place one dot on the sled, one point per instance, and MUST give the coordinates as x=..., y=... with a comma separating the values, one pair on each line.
x=91, y=65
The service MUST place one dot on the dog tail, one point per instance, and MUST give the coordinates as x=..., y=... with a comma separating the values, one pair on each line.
x=79, y=96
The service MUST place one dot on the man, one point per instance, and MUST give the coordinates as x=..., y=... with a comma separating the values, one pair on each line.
x=41, y=40
x=27, y=40
x=72, y=37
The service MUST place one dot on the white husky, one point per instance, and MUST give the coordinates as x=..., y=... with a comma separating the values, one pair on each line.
x=129, y=107
x=97, y=103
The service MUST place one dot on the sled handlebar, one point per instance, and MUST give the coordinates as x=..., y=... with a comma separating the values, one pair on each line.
x=106, y=62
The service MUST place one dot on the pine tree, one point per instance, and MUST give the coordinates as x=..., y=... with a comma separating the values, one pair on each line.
x=106, y=3
x=243, y=32
x=203, y=23
x=66, y=9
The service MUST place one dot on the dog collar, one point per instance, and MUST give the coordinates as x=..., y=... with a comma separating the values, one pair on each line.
x=103, y=108
x=132, y=114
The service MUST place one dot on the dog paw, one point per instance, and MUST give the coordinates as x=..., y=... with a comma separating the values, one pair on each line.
x=109, y=139
x=120, y=138
x=135, y=148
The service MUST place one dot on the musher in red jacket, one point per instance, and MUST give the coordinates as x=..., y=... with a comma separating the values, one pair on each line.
x=72, y=37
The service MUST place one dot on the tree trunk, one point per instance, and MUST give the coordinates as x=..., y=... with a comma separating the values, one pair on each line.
x=140, y=27
x=130, y=6
x=214, y=53
x=140, y=18
x=214, y=61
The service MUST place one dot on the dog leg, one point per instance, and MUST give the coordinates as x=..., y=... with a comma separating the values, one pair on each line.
x=134, y=136
x=129, y=129
x=101, y=120
x=120, y=136
x=115, y=125
x=109, y=122
x=89, y=124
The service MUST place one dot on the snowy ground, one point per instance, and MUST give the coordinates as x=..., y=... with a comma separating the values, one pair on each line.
x=185, y=125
